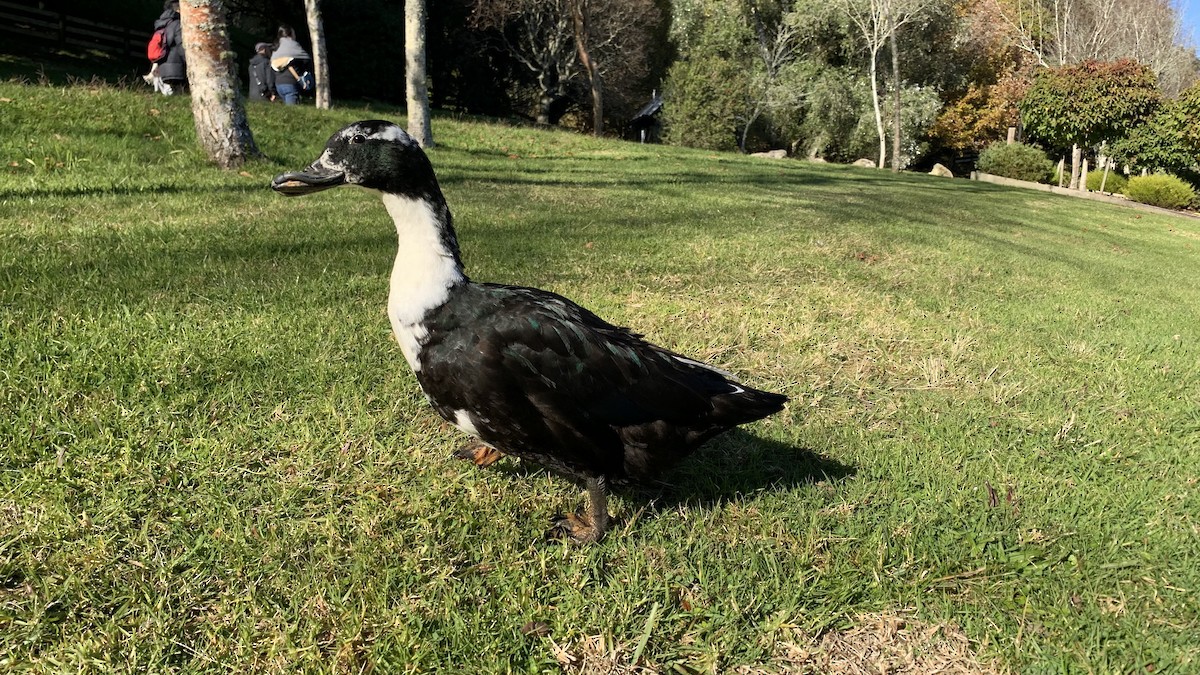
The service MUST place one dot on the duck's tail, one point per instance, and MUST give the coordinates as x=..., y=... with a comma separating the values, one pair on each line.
x=745, y=404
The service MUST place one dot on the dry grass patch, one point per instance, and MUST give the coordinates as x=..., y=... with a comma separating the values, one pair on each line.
x=595, y=655
x=883, y=644
x=877, y=644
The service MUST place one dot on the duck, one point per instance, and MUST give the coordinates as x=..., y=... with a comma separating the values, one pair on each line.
x=523, y=371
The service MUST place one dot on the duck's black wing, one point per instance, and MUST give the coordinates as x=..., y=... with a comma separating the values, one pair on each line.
x=539, y=376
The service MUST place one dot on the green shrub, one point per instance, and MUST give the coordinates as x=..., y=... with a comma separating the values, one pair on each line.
x=708, y=88
x=1019, y=161
x=1162, y=190
x=706, y=97
x=1116, y=181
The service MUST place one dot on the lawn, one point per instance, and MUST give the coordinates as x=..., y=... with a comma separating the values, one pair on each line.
x=213, y=457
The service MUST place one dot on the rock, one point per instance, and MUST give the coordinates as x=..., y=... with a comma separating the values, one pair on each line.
x=939, y=170
x=864, y=162
x=818, y=160
x=771, y=154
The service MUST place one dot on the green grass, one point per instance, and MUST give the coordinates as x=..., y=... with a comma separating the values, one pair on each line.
x=214, y=458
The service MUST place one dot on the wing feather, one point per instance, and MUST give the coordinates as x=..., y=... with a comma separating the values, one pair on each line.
x=545, y=375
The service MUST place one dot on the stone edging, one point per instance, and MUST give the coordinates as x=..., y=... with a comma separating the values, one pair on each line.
x=1094, y=196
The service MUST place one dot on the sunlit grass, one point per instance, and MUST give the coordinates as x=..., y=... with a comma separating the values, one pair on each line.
x=215, y=459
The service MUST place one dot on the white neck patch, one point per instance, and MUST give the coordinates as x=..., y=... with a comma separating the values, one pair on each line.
x=422, y=275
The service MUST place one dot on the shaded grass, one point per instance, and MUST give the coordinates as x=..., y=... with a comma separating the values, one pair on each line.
x=214, y=457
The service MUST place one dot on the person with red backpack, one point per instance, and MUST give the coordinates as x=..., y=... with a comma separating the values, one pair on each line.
x=168, y=65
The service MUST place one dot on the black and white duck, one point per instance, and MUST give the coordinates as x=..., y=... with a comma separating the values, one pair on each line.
x=526, y=372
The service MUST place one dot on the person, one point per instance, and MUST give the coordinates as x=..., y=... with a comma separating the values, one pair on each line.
x=262, y=78
x=151, y=77
x=169, y=75
x=289, y=61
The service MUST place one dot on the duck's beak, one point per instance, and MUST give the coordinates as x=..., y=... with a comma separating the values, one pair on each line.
x=313, y=179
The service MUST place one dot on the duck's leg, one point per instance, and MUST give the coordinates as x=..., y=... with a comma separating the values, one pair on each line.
x=587, y=528
x=479, y=453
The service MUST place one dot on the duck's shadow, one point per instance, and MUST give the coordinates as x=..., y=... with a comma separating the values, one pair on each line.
x=732, y=466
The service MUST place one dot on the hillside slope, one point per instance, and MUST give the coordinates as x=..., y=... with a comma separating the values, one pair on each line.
x=215, y=458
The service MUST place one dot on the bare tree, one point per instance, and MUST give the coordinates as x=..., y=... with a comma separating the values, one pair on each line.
x=539, y=34
x=581, y=21
x=217, y=105
x=557, y=40
x=874, y=26
x=1151, y=32
x=778, y=47
x=895, y=98
x=416, y=89
x=316, y=33
x=877, y=21
x=1058, y=32
x=1061, y=32
x=613, y=39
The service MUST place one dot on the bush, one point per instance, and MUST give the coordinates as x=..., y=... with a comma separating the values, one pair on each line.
x=1162, y=190
x=1170, y=140
x=1116, y=181
x=707, y=88
x=1019, y=161
x=706, y=96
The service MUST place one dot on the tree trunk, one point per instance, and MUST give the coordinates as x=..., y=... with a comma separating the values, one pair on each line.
x=878, y=112
x=316, y=34
x=579, y=12
x=1076, y=156
x=895, y=99
x=597, y=102
x=750, y=120
x=416, y=89
x=548, y=84
x=217, y=106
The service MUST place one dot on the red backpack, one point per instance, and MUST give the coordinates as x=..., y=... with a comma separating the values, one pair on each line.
x=156, y=50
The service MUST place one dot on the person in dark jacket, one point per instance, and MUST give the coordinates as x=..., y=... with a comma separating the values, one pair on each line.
x=171, y=74
x=289, y=61
x=262, y=78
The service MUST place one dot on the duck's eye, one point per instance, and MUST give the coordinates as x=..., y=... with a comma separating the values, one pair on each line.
x=358, y=138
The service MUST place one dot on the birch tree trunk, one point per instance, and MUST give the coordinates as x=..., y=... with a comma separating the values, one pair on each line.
x=896, y=97
x=878, y=111
x=1076, y=158
x=415, y=87
x=877, y=22
x=316, y=35
x=217, y=106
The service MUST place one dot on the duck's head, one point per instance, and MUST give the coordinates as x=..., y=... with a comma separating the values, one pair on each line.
x=374, y=154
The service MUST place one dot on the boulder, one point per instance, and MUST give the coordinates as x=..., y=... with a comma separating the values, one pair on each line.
x=771, y=154
x=939, y=170
x=864, y=162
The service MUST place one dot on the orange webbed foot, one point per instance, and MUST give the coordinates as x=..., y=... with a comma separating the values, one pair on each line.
x=479, y=453
x=585, y=528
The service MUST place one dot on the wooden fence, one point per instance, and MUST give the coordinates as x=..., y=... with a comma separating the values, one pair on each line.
x=69, y=31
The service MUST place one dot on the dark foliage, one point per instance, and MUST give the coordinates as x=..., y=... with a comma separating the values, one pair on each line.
x=365, y=39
